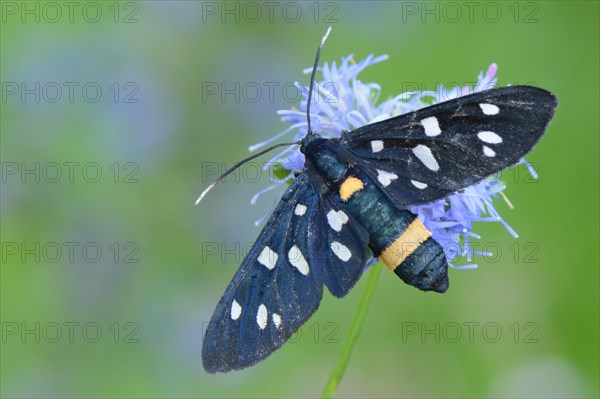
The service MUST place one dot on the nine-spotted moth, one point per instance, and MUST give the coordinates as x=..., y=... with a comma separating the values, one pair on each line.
x=352, y=195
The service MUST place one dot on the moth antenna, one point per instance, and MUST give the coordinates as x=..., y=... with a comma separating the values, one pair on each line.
x=237, y=165
x=312, y=78
x=243, y=161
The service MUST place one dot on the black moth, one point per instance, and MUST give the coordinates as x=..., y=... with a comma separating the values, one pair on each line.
x=353, y=195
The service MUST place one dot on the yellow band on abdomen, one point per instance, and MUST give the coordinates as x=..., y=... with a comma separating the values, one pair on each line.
x=405, y=244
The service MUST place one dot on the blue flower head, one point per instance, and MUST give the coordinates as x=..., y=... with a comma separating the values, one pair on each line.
x=341, y=102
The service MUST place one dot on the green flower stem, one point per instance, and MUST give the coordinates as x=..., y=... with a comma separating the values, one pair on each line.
x=359, y=319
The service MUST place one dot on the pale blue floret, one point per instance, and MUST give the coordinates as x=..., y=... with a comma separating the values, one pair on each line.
x=341, y=102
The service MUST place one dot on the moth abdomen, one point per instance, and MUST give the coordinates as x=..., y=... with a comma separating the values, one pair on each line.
x=400, y=240
x=396, y=236
x=411, y=253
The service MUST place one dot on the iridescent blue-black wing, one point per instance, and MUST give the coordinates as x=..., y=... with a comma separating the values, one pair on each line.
x=275, y=289
x=280, y=282
x=424, y=155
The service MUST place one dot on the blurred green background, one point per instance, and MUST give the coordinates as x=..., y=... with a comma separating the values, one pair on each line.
x=122, y=313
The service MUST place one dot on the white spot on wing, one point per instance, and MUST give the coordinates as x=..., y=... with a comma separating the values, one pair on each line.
x=267, y=258
x=336, y=219
x=261, y=316
x=488, y=151
x=376, y=145
x=385, y=178
x=489, y=109
x=489, y=137
x=341, y=251
x=300, y=210
x=236, y=310
x=276, y=319
x=297, y=260
x=418, y=184
x=424, y=154
x=431, y=125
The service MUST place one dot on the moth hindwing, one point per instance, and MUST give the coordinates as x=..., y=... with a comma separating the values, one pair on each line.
x=352, y=194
